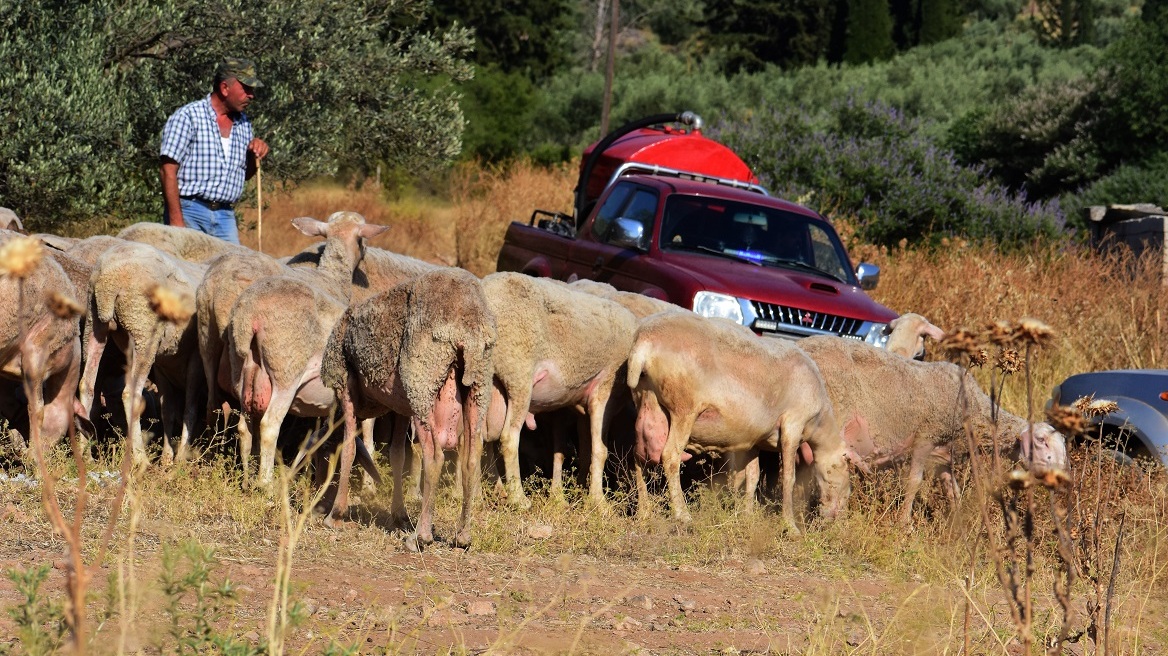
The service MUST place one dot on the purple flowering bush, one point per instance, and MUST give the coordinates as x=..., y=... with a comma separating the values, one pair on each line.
x=868, y=160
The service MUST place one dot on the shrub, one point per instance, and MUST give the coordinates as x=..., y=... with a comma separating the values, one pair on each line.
x=1132, y=183
x=869, y=160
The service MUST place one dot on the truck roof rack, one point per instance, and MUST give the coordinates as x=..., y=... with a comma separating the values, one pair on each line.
x=629, y=168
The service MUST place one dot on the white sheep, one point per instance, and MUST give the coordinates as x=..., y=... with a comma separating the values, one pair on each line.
x=892, y=408
x=278, y=328
x=711, y=385
x=907, y=333
x=122, y=305
x=423, y=349
x=39, y=344
x=556, y=348
x=184, y=243
x=10, y=221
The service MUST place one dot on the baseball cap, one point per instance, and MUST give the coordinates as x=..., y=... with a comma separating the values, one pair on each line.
x=240, y=69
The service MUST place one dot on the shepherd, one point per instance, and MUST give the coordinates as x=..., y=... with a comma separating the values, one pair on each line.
x=208, y=152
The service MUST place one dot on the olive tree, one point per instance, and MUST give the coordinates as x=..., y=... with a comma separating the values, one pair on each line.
x=86, y=86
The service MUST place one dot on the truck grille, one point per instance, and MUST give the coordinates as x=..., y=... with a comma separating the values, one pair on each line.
x=781, y=318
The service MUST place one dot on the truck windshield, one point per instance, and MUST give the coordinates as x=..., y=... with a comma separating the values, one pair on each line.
x=764, y=235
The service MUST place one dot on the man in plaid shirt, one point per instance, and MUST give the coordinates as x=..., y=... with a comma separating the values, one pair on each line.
x=208, y=151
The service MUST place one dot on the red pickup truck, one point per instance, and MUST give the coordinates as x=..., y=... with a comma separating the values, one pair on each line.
x=677, y=216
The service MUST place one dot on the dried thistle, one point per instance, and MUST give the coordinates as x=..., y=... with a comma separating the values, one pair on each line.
x=1009, y=361
x=999, y=333
x=1088, y=406
x=960, y=343
x=170, y=305
x=20, y=256
x=1019, y=479
x=1033, y=331
x=1066, y=420
x=63, y=306
x=980, y=358
x=1054, y=478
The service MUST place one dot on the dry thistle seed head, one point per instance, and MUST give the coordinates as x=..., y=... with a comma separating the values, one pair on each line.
x=999, y=333
x=959, y=344
x=1066, y=420
x=169, y=305
x=1019, y=479
x=1088, y=406
x=20, y=256
x=1008, y=361
x=1054, y=478
x=1033, y=331
x=980, y=358
x=63, y=306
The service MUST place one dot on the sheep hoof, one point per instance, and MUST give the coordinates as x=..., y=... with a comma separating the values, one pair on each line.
x=521, y=502
x=402, y=521
x=462, y=541
x=411, y=543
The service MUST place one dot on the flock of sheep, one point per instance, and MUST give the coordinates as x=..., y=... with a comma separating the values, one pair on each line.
x=471, y=361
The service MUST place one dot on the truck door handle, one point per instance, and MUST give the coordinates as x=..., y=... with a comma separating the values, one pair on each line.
x=598, y=264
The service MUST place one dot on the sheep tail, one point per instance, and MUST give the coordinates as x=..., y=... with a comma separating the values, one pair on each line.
x=637, y=363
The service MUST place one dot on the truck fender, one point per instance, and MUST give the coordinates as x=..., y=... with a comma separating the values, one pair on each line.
x=538, y=267
x=657, y=293
x=1147, y=425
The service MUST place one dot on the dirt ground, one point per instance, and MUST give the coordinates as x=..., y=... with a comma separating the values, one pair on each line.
x=360, y=589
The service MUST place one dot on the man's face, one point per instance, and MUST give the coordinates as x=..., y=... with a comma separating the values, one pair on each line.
x=236, y=95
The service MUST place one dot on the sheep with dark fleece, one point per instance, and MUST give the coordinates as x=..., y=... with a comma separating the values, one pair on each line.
x=423, y=349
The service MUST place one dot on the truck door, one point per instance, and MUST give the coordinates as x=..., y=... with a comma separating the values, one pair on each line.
x=594, y=258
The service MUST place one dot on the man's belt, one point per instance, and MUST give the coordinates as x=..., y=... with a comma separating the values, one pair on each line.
x=212, y=205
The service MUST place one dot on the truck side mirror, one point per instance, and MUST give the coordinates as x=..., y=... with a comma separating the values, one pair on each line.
x=868, y=275
x=627, y=233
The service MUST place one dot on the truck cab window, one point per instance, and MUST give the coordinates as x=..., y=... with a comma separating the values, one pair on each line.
x=611, y=209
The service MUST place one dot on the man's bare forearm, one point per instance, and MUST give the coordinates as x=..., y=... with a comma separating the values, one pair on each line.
x=169, y=175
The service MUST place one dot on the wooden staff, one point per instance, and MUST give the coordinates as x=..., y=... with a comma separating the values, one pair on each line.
x=259, y=207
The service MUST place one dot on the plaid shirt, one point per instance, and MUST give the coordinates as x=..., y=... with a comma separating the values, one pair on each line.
x=191, y=138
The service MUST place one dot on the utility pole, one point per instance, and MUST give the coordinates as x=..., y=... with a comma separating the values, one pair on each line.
x=612, y=31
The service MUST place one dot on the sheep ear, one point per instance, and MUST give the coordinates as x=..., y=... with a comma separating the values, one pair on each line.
x=310, y=226
x=930, y=330
x=369, y=230
x=1024, y=443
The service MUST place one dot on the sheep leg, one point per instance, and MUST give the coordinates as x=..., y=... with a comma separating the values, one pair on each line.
x=244, y=429
x=210, y=352
x=132, y=401
x=270, y=430
x=644, y=505
x=367, y=482
x=345, y=466
x=599, y=417
x=518, y=403
x=750, y=476
x=190, y=397
x=912, y=485
x=432, y=458
x=57, y=412
x=790, y=436
x=470, y=458
x=556, y=490
x=679, y=432
x=97, y=334
x=170, y=418
x=399, y=442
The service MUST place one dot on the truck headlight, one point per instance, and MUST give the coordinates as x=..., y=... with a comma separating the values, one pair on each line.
x=711, y=304
x=877, y=335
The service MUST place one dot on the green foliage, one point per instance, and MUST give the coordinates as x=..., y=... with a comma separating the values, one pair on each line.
x=870, y=161
x=195, y=631
x=753, y=33
x=40, y=623
x=1136, y=75
x=498, y=107
x=1128, y=184
x=869, y=36
x=529, y=37
x=87, y=86
x=939, y=20
x=1042, y=140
